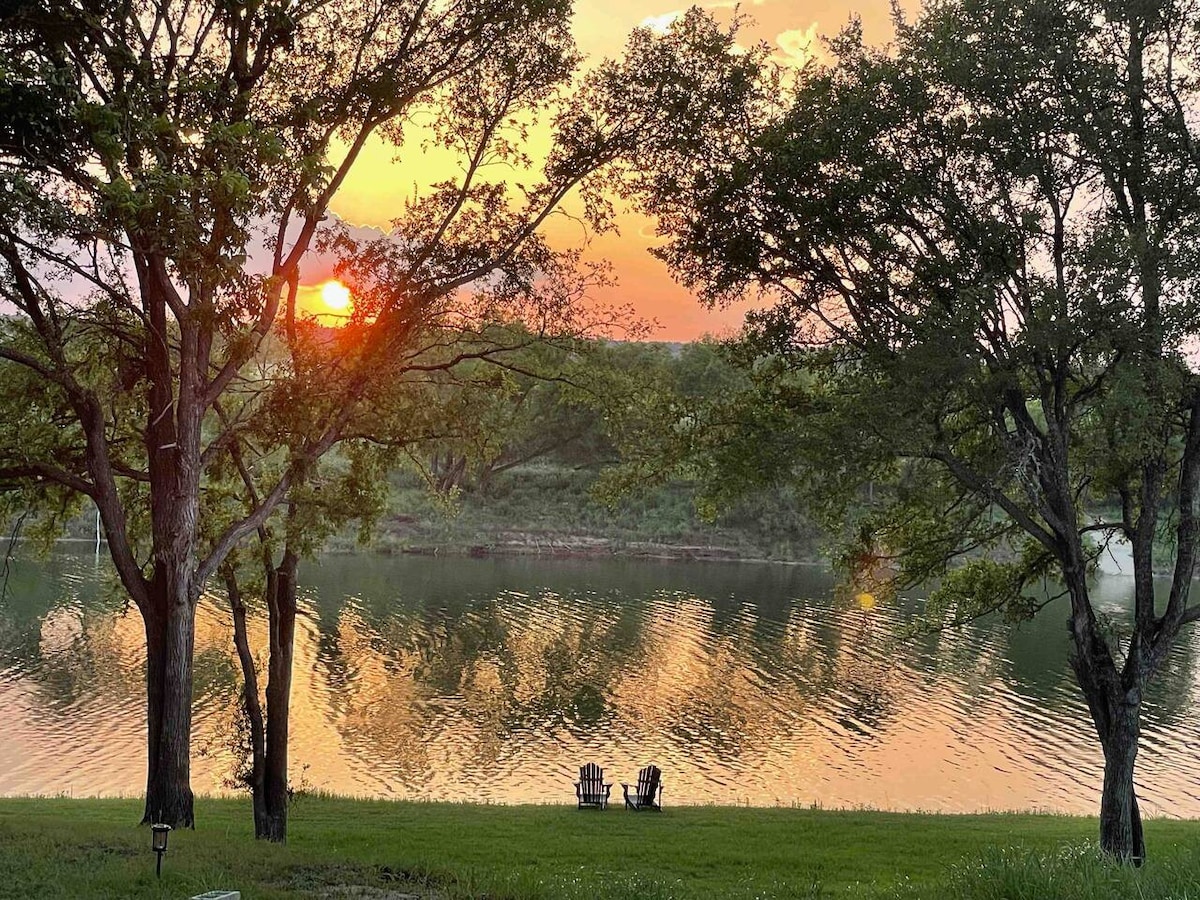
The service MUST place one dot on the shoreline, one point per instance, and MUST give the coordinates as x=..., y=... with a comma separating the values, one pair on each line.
x=568, y=803
x=598, y=549
x=539, y=546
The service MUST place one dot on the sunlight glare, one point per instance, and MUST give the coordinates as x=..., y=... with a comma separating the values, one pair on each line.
x=335, y=295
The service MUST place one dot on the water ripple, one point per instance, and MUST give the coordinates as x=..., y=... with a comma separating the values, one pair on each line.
x=487, y=679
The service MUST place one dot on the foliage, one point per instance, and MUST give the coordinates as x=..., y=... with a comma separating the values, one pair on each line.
x=165, y=169
x=917, y=279
x=978, y=247
x=550, y=507
x=531, y=402
x=534, y=437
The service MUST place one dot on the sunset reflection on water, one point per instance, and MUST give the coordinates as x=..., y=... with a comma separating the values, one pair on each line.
x=495, y=679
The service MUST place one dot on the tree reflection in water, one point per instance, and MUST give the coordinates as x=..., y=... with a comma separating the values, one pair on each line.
x=491, y=678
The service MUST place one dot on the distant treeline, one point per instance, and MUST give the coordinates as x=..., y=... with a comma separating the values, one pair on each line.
x=536, y=461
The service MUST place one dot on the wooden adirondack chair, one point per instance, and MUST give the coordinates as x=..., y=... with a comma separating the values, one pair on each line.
x=647, y=793
x=590, y=789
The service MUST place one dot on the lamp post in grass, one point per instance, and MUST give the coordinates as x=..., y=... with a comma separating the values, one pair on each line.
x=158, y=843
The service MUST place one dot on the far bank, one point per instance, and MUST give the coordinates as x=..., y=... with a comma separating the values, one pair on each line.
x=554, y=510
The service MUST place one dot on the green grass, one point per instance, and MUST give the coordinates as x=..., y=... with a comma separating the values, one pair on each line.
x=349, y=848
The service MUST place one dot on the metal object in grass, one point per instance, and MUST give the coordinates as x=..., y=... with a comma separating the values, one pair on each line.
x=158, y=843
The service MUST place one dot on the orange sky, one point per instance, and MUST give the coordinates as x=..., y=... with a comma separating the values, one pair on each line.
x=378, y=185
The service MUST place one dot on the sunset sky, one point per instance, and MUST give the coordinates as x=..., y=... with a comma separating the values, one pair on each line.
x=378, y=185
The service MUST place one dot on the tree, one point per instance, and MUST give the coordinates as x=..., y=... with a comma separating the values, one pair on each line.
x=518, y=407
x=147, y=148
x=163, y=136
x=402, y=411
x=979, y=252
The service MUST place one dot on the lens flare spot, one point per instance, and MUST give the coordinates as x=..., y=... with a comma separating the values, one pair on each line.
x=335, y=295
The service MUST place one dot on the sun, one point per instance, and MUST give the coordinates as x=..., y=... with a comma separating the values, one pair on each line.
x=335, y=295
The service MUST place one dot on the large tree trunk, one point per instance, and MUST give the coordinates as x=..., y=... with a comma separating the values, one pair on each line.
x=170, y=638
x=1120, y=820
x=172, y=439
x=282, y=606
x=1115, y=709
x=269, y=732
x=154, y=621
x=250, y=701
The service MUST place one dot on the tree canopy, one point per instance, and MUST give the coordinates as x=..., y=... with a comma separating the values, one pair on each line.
x=166, y=167
x=976, y=249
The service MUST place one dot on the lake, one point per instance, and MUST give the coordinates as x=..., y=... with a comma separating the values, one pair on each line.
x=495, y=679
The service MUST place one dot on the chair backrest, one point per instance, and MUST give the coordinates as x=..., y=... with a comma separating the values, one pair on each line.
x=591, y=779
x=647, y=785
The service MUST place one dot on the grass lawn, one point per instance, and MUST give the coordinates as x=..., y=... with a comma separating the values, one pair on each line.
x=376, y=849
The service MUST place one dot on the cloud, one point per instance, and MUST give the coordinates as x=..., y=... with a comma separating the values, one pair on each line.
x=797, y=45
x=662, y=22
x=731, y=4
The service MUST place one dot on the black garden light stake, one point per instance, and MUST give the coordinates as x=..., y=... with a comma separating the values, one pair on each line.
x=158, y=843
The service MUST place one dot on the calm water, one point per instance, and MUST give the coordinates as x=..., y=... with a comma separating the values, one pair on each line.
x=495, y=679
